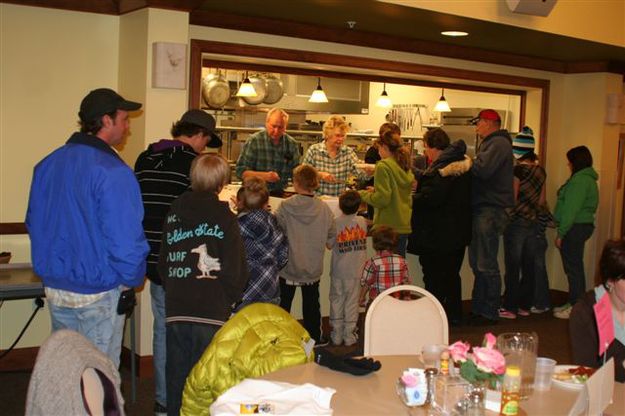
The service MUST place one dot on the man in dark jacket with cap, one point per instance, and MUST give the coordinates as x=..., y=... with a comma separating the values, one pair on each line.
x=163, y=174
x=84, y=221
x=492, y=193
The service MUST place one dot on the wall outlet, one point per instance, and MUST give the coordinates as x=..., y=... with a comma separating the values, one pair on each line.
x=38, y=302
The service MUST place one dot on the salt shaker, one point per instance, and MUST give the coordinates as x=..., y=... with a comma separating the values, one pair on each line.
x=475, y=405
x=430, y=373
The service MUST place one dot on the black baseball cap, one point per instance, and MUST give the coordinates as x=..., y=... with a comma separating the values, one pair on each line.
x=206, y=121
x=103, y=101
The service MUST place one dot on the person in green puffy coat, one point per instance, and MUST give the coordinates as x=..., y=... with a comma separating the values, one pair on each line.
x=258, y=339
x=575, y=212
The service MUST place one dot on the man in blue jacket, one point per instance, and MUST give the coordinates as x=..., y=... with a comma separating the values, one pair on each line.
x=84, y=220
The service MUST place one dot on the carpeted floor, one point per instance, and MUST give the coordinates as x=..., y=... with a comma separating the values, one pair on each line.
x=553, y=342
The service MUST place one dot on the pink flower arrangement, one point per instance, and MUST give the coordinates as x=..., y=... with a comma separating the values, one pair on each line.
x=459, y=351
x=483, y=364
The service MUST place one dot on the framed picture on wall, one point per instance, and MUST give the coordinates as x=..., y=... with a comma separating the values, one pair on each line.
x=169, y=65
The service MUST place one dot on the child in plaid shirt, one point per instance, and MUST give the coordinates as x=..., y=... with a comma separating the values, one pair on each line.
x=384, y=270
x=266, y=245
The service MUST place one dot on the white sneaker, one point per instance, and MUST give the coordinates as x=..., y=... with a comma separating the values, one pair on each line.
x=563, y=313
x=562, y=307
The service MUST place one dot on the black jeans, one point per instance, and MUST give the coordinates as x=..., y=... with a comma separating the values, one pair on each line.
x=441, y=275
x=186, y=343
x=572, y=253
x=310, y=306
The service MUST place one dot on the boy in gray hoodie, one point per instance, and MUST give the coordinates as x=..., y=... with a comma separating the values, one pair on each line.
x=309, y=226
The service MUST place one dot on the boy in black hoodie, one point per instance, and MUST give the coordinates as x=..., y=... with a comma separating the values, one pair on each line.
x=203, y=269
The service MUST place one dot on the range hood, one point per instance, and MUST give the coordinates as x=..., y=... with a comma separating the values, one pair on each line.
x=346, y=96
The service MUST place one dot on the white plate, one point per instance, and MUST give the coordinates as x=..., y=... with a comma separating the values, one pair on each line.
x=364, y=165
x=567, y=384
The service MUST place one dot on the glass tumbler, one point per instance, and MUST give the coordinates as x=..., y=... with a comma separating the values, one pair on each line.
x=519, y=348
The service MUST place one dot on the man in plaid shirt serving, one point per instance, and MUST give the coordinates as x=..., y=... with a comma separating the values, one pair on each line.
x=270, y=154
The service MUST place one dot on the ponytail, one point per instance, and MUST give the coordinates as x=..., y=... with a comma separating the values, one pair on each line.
x=396, y=146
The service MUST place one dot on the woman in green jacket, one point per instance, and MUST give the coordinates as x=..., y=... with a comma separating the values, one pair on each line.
x=575, y=214
x=391, y=196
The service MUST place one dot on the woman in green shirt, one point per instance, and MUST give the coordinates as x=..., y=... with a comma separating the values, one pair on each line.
x=575, y=214
x=391, y=196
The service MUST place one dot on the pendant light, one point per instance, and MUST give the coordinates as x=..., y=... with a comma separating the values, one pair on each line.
x=383, y=100
x=247, y=88
x=318, y=96
x=442, y=106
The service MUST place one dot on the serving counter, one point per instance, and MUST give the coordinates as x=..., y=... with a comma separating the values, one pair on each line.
x=234, y=137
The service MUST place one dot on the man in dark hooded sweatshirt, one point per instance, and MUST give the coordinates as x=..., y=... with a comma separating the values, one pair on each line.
x=492, y=192
x=163, y=174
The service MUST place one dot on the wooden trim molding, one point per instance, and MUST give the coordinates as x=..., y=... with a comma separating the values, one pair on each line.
x=20, y=359
x=7, y=228
x=252, y=51
x=207, y=62
x=23, y=359
x=199, y=15
x=367, y=39
x=145, y=366
x=102, y=7
x=127, y=6
x=114, y=7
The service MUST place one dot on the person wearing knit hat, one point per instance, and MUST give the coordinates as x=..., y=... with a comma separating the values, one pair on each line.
x=527, y=286
x=523, y=143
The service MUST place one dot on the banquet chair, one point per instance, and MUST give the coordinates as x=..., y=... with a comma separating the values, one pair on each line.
x=400, y=327
x=70, y=376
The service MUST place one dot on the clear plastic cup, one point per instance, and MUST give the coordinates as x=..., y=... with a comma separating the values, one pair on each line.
x=544, y=373
x=431, y=354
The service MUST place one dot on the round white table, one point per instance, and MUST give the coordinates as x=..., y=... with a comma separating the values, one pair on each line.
x=374, y=394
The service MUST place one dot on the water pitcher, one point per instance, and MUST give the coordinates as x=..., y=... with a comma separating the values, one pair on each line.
x=519, y=348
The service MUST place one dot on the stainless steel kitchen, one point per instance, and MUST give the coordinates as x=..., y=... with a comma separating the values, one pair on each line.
x=412, y=108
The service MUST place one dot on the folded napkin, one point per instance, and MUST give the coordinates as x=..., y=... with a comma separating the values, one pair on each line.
x=282, y=398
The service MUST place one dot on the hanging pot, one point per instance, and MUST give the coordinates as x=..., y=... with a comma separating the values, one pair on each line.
x=215, y=90
x=261, y=90
x=275, y=90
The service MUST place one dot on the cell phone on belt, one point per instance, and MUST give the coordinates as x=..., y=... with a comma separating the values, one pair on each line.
x=127, y=302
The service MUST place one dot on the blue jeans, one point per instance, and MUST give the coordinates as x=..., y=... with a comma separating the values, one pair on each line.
x=159, y=343
x=519, y=239
x=186, y=342
x=98, y=322
x=488, y=225
x=572, y=253
x=541, y=280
